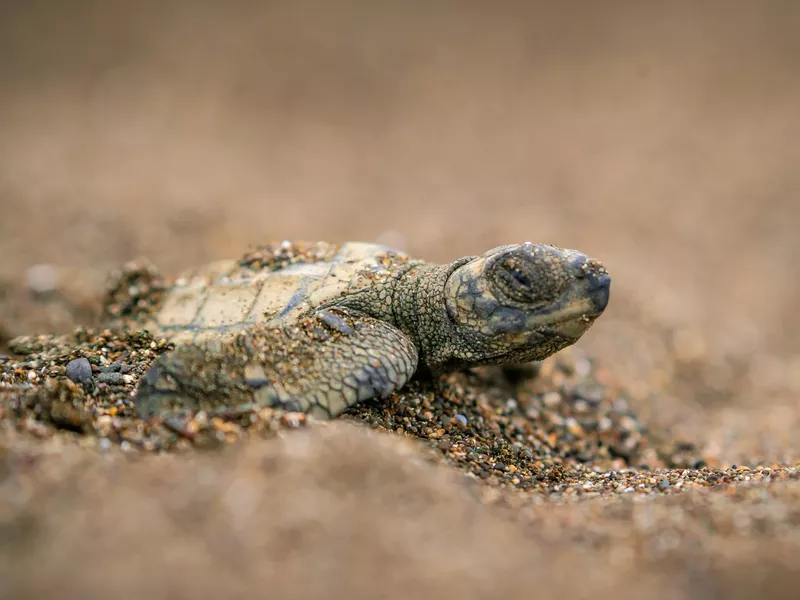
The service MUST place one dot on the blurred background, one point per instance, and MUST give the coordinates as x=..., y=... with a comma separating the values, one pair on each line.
x=659, y=137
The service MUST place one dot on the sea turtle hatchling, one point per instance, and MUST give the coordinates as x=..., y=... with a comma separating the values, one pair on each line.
x=318, y=327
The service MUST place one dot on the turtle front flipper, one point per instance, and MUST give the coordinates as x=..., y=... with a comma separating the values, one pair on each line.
x=320, y=366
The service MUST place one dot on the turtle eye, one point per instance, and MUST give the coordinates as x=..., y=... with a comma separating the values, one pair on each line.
x=531, y=280
x=513, y=280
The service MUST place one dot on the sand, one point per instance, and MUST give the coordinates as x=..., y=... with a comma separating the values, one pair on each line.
x=661, y=139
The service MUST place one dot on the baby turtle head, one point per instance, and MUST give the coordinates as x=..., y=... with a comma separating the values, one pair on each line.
x=523, y=302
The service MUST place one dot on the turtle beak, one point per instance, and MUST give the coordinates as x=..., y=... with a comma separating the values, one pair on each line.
x=599, y=289
x=594, y=282
x=591, y=291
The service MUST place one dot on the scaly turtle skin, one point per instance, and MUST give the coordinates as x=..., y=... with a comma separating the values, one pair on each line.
x=317, y=327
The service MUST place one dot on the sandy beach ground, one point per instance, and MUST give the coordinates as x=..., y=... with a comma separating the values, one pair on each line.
x=659, y=137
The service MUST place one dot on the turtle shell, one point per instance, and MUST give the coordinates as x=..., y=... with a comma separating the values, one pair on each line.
x=275, y=284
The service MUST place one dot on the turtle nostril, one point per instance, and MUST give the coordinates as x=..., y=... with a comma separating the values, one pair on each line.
x=582, y=266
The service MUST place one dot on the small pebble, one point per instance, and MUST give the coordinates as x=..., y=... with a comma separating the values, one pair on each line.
x=79, y=370
x=111, y=378
x=574, y=427
x=462, y=420
x=551, y=399
x=293, y=420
